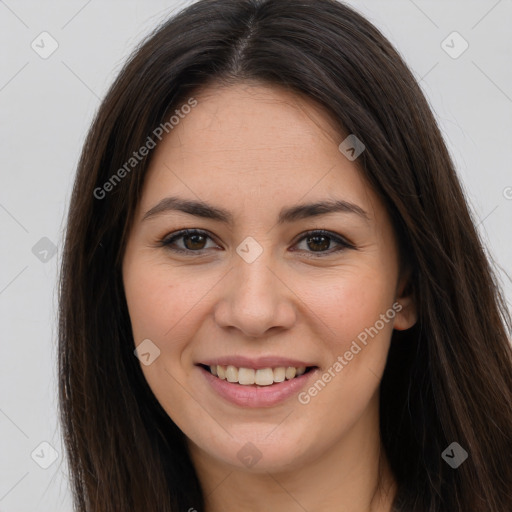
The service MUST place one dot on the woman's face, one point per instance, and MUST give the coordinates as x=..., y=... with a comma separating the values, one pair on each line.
x=259, y=287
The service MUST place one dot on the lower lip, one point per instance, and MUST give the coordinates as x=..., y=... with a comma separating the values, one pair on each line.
x=253, y=396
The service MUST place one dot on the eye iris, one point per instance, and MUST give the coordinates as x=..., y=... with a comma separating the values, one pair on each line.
x=323, y=245
x=196, y=241
x=194, y=238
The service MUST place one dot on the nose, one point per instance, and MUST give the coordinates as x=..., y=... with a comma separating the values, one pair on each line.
x=255, y=298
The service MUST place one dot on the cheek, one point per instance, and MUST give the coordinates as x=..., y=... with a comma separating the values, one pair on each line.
x=350, y=302
x=163, y=308
x=159, y=301
x=356, y=325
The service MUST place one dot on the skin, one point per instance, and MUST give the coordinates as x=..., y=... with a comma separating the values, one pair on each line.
x=253, y=150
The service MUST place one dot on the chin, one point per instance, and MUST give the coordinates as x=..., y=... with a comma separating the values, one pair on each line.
x=257, y=453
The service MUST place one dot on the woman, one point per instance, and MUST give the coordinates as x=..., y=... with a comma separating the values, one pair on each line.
x=273, y=295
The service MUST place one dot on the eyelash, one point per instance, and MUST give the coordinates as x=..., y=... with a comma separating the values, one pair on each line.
x=169, y=240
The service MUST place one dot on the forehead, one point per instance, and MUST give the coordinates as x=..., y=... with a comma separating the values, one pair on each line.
x=253, y=117
x=249, y=141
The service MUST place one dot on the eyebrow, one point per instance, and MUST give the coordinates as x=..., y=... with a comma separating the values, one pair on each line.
x=286, y=215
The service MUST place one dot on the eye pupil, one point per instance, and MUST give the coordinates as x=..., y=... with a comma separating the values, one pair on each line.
x=194, y=238
x=318, y=243
x=323, y=245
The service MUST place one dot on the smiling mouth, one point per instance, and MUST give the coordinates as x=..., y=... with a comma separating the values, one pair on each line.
x=257, y=377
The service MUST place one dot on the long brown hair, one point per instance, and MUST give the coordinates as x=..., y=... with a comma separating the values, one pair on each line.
x=449, y=378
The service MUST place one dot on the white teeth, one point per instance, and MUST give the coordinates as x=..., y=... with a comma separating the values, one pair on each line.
x=279, y=374
x=290, y=372
x=232, y=374
x=264, y=377
x=260, y=377
x=246, y=376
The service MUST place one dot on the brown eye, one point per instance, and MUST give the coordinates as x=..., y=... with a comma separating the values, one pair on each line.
x=318, y=242
x=191, y=241
x=321, y=241
x=194, y=242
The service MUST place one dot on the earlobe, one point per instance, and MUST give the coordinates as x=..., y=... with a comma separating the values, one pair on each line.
x=407, y=316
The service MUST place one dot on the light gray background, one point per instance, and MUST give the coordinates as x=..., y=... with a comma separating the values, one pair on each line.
x=48, y=104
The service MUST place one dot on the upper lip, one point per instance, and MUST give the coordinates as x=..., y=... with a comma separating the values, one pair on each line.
x=256, y=363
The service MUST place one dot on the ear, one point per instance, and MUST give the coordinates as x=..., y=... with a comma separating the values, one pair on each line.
x=407, y=315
